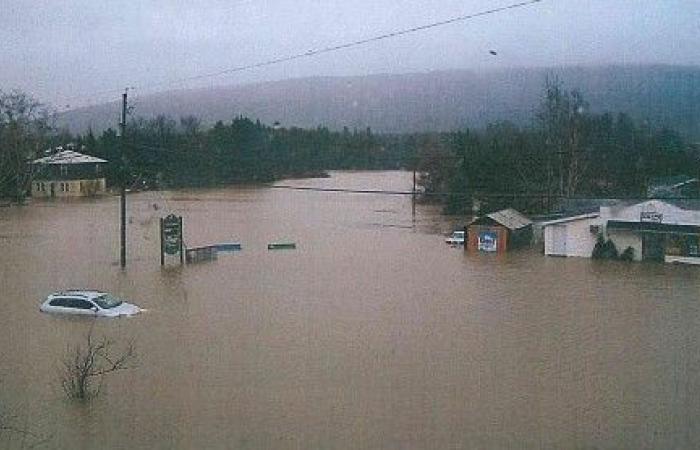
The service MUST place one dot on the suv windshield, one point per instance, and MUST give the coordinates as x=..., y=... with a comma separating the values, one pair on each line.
x=107, y=301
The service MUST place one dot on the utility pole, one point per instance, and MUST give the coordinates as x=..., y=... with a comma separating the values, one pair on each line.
x=413, y=196
x=122, y=125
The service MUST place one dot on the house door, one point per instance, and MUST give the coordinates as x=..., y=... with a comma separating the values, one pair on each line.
x=53, y=189
x=559, y=240
x=653, y=247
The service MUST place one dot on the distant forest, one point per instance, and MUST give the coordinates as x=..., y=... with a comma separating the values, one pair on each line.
x=566, y=151
x=164, y=153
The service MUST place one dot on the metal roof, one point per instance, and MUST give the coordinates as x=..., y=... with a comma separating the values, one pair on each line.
x=570, y=219
x=68, y=157
x=510, y=218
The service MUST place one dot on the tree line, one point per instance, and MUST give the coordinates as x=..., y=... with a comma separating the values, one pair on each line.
x=165, y=153
x=567, y=151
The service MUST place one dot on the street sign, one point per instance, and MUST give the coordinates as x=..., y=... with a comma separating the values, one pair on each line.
x=170, y=236
x=651, y=216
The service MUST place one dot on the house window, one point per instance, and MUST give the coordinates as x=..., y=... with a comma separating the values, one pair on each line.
x=81, y=186
x=38, y=186
x=67, y=187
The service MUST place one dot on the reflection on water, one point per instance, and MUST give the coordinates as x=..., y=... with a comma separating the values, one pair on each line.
x=371, y=334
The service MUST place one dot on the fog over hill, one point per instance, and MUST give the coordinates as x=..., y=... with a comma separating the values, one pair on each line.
x=433, y=101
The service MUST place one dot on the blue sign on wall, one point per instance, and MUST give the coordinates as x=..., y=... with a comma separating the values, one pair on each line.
x=488, y=241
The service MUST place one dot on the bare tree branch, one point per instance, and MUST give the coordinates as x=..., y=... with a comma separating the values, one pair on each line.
x=85, y=365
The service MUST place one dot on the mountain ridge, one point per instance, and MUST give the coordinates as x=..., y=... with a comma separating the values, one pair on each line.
x=663, y=95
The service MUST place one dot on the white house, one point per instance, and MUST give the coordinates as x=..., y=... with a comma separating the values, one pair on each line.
x=654, y=230
x=68, y=174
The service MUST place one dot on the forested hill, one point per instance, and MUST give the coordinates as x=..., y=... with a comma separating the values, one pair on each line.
x=435, y=101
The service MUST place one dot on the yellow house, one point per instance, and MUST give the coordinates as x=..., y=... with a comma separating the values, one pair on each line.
x=68, y=174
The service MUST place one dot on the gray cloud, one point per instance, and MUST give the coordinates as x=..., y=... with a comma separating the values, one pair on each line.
x=65, y=52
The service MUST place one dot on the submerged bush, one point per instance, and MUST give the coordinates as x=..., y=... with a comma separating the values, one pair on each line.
x=84, y=365
x=604, y=249
x=627, y=255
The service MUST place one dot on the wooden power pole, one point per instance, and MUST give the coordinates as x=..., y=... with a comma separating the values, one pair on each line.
x=413, y=196
x=122, y=125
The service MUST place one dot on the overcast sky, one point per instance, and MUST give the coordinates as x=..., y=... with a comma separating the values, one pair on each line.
x=68, y=52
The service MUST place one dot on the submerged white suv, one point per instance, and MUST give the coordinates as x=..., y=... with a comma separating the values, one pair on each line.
x=90, y=303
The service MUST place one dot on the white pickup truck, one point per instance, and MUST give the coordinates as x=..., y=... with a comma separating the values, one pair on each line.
x=457, y=238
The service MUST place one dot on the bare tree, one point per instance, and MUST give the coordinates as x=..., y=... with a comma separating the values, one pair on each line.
x=24, y=126
x=85, y=365
x=561, y=119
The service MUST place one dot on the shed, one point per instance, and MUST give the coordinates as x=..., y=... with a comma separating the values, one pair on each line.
x=499, y=231
x=571, y=236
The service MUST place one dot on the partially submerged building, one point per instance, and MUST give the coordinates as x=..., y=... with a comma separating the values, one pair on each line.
x=679, y=186
x=654, y=230
x=499, y=232
x=68, y=174
x=571, y=236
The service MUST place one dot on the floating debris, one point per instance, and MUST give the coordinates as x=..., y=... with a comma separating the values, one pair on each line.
x=281, y=245
x=228, y=246
x=200, y=254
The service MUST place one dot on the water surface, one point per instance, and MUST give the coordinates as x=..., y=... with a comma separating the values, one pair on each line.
x=371, y=334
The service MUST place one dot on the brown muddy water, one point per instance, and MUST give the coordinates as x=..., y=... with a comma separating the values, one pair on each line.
x=371, y=334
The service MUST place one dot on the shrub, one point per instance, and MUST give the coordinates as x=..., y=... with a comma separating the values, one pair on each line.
x=83, y=365
x=604, y=249
x=627, y=255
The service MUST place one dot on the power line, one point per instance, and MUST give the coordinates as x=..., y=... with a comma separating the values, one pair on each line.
x=343, y=46
x=351, y=44
x=396, y=192
x=476, y=193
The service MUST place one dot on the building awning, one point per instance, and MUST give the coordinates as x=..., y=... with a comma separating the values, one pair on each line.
x=652, y=227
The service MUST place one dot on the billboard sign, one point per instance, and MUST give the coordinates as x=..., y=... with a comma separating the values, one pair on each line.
x=488, y=241
x=172, y=234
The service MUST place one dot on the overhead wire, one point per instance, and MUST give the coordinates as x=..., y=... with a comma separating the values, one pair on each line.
x=330, y=48
x=333, y=48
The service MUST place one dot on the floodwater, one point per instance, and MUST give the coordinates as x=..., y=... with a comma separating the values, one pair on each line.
x=372, y=334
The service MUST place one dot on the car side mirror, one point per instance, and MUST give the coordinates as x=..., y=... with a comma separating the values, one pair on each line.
x=94, y=309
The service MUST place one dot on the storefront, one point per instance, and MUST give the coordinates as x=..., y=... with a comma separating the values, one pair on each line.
x=659, y=241
x=655, y=230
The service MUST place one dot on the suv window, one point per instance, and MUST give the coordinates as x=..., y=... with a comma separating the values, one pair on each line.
x=61, y=301
x=79, y=303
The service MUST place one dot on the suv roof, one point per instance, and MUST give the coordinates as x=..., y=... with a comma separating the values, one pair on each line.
x=85, y=293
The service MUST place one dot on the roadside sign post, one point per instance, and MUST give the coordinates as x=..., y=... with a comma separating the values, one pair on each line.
x=171, y=241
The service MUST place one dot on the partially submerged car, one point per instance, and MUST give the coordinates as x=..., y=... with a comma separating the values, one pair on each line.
x=457, y=238
x=89, y=303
